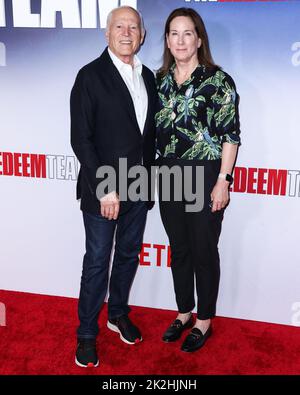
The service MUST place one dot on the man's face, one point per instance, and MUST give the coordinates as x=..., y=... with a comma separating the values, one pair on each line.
x=124, y=35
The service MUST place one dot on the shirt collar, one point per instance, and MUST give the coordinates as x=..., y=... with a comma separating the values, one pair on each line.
x=200, y=68
x=197, y=73
x=137, y=64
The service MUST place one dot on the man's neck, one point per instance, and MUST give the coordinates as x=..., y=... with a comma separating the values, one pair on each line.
x=128, y=59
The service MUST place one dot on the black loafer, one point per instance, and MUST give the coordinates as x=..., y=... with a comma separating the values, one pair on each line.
x=175, y=330
x=195, y=339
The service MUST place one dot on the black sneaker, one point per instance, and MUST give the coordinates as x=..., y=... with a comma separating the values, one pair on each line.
x=129, y=333
x=86, y=353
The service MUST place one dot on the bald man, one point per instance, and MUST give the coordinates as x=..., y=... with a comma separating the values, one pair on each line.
x=112, y=116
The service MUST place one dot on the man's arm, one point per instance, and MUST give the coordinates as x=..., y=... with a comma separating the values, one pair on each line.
x=82, y=121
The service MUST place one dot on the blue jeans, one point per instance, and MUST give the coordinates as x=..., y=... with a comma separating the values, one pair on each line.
x=94, y=280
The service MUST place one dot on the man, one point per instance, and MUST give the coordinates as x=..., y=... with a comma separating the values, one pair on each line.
x=112, y=116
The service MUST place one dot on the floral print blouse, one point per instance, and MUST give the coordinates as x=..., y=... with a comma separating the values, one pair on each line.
x=195, y=118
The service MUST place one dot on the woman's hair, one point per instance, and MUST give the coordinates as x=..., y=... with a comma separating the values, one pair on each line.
x=204, y=54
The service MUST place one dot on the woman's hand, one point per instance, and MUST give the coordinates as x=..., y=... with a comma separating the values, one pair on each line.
x=220, y=195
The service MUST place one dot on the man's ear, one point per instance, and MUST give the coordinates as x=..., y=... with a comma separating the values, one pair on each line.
x=107, y=35
x=143, y=38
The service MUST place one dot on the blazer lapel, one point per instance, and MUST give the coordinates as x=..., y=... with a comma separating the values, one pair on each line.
x=149, y=99
x=123, y=93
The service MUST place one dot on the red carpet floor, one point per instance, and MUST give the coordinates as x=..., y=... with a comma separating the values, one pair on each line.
x=39, y=339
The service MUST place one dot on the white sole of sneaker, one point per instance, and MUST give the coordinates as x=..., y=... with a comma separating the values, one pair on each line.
x=85, y=366
x=114, y=328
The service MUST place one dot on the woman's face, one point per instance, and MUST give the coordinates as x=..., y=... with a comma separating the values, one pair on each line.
x=182, y=39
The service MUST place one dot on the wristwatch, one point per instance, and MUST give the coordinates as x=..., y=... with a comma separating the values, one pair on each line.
x=227, y=177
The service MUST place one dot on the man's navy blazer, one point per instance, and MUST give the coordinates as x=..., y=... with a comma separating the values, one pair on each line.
x=104, y=127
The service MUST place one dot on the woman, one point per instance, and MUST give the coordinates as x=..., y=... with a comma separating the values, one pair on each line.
x=197, y=125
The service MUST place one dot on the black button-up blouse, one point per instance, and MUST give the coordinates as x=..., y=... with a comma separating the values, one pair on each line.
x=195, y=118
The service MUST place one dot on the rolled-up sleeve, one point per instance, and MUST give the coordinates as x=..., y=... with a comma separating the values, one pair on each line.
x=226, y=111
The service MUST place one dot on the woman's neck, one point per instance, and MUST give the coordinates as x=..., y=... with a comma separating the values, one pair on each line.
x=183, y=70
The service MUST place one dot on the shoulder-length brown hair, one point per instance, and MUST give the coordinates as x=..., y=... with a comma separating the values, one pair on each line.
x=204, y=54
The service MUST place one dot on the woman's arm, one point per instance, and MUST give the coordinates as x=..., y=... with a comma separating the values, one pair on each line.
x=220, y=192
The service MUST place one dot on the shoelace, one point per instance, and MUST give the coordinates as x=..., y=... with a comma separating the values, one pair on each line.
x=124, y=322
x=86, y=345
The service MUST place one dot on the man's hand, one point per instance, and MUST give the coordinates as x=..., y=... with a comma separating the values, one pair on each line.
x=220, y=195
x=110, y=205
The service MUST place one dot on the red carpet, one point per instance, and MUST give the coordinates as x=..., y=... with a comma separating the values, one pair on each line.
x=39, y=339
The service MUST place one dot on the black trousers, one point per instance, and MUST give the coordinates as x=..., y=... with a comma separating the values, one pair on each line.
x=193, y=238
